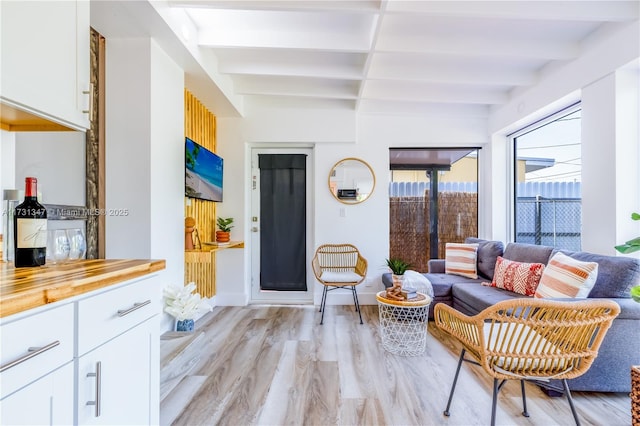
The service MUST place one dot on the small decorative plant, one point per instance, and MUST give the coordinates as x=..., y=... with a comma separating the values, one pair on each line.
x=632, y=246
x=225, y=224
x=224, y=229
x=398, y=266
x=183, y=304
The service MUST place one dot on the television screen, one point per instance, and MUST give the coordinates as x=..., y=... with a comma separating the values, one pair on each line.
x=203, y=172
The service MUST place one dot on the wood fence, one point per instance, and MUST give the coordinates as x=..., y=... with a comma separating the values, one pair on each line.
x=409, y=235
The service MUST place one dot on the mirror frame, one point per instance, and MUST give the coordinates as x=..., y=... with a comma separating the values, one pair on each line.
x=373, y=177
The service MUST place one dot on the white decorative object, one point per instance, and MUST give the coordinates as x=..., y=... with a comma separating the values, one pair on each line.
x=417, y=282
x=183, y=304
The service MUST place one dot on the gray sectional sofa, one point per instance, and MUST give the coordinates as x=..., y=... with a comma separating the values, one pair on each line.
x=616, y=275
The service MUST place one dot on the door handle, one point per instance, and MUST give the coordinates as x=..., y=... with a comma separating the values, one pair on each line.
x=255, y=229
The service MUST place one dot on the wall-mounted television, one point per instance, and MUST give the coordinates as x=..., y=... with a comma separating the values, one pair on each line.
x=203, y=172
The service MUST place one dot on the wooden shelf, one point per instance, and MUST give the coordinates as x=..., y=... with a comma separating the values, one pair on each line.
x=216, y=247
x=200, y=266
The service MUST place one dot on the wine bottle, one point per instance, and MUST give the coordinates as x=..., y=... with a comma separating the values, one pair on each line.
x=30, y=228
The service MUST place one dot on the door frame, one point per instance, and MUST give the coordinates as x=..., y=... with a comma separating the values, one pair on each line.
x=256, y=295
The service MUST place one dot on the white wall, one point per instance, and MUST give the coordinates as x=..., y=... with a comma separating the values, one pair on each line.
x=600, y=78
x=144, y=155
x=57, y=159
x=367, y=137
x=7, y=166
x=232, y=271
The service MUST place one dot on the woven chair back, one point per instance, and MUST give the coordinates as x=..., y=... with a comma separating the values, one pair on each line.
x=538, y=338
x=338, y=257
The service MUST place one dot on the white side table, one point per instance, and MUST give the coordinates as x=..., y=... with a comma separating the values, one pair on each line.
x=403, y=324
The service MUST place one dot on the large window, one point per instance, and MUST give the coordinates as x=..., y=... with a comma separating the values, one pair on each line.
x=547, y=162
x=433, y=200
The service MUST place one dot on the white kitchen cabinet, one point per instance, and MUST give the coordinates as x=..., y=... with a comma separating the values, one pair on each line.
x=36, y=367
x=45, y=59
x=114, y=381
x=47, y=401
x=92, y=359
x=118, y=355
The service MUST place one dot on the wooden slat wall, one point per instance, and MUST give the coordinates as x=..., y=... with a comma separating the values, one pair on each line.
x=200, y=126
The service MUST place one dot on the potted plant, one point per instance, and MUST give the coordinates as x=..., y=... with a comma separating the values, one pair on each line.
x=224, y=229
x=398, y=268
x=632, y=246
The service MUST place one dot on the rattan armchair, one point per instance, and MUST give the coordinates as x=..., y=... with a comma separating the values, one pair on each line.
x=529, y=339
x=338, y=266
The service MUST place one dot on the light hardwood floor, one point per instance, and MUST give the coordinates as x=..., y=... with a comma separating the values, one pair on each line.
x=276, y=365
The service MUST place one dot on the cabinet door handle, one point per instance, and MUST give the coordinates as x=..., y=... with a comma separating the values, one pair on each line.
x=98, y=376
x=136, y=306
x=32, y=353
x=90, y=93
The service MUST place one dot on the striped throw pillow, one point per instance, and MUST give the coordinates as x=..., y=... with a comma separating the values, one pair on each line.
x=460, y=259
x=567, y=277
x=518, y=277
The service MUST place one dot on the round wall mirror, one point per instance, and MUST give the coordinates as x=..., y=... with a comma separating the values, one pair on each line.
x=351, y=181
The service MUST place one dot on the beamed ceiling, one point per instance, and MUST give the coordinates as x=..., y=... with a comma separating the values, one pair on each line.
x=393, y=56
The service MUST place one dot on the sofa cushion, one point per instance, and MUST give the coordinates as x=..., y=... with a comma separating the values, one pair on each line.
x=616, y=274
x=565, y=276
x=530, y=253
x=488, y=252
x=519, y=277
x=474, y=297
x=461, y=259
x=441, y=283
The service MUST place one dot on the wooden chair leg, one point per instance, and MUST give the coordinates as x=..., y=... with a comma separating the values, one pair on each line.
x=455, y=380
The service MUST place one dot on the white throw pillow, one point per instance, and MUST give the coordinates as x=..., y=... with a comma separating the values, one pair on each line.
x=461, y=259
x=565, y=276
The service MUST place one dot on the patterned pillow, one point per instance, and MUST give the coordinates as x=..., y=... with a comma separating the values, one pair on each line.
x=567, y=277
x=460, y=259
x=519, y=277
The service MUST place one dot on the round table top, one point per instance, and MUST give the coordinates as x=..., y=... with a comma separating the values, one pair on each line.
x=421, y=300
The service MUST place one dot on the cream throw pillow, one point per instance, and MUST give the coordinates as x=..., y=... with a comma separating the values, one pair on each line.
x=461, y=259
x=567, y=277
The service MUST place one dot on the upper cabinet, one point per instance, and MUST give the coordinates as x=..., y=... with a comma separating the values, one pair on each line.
x=45, y=63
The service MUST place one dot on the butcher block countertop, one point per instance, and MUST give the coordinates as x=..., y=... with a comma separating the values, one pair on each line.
x=26, y=288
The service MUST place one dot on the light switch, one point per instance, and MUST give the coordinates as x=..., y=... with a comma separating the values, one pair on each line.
x=343, y=212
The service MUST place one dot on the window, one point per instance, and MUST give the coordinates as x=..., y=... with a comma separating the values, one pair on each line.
x=433, y=200
x=547, y=171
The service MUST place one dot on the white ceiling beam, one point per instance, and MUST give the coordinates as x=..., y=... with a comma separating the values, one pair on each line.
x=285, y=86
x=291, y=63
x=298, y=102
x=497, y=80
x=588, y=11
x=329, y=71
x=376, y=29
x=387, y=107
x=283, y=40
x=427, y=92
x=421, y=68
x=480, y=47
x=359, y=6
